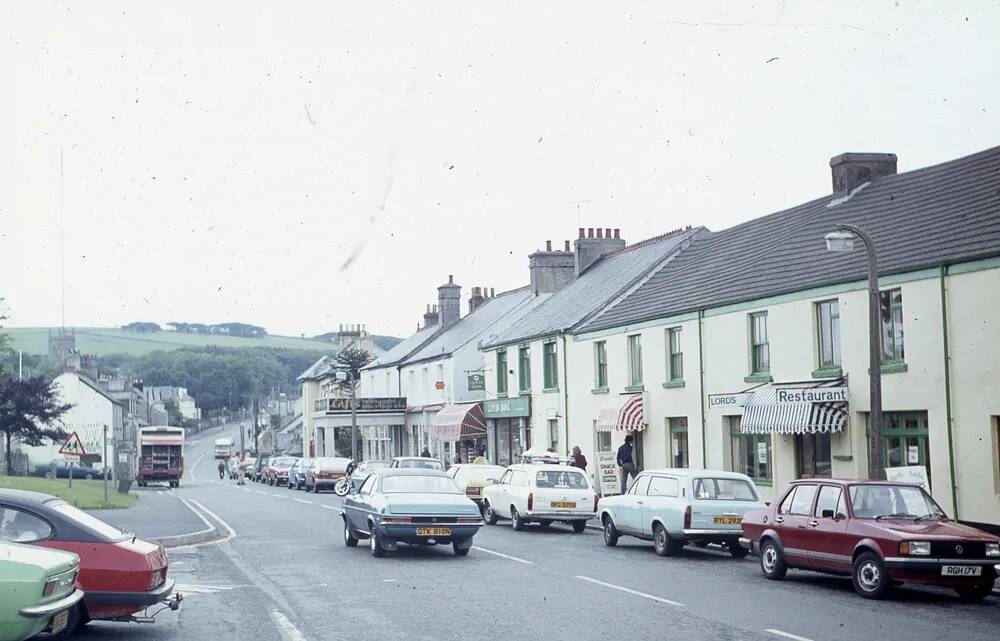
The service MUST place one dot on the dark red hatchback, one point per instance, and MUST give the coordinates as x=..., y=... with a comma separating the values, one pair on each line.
x=879, y=533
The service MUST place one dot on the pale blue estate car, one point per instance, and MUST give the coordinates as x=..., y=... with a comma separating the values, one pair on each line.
x=673, y=507
x=413, y=506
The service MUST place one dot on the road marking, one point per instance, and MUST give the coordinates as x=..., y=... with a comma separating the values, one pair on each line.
x=502, y=555
x=199, y=515
x=788, y=635
x=259, y=492
x=330, y=507
x=288, y=631
x=278, y=496
x=630, y=591
x=190, y=588
x=303, y=501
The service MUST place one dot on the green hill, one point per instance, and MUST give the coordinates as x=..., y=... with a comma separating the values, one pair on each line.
x=109, y=340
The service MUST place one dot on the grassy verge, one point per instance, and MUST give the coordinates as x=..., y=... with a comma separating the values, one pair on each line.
x=84, y=494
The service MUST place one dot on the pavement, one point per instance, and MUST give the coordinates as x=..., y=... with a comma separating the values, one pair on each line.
x=282, y=572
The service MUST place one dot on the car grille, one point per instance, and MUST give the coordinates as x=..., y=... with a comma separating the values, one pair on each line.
x=958, y=549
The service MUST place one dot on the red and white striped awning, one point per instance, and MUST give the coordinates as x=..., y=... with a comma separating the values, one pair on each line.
x=458, y=421
x=626, y=418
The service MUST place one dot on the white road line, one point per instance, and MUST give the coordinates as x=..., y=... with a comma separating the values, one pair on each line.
x=630, y=591
x=502, y=555
x=788, y=635
x=232, y=532
x=199, y=515
x=330, y=507
x=259, y=492
x=278, y=496
x=303, y=501
x=288, y=631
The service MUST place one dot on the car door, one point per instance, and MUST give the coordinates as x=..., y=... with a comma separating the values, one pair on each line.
x=630, y=509
x=794, y=515
x=661, y=503
x=517, y=492
x=829, y=545
x=358, y=506
x=498, y=494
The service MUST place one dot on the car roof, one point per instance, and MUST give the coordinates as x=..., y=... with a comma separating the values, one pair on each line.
x=410, y=471
x=545, y=466
x=415, y=458
x=851, y=482
x=26, y=497
x=683, y=471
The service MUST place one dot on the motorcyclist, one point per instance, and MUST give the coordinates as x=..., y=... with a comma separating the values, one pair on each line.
x=222, y=470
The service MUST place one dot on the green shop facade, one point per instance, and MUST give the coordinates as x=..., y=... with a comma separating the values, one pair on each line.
x=508, y=428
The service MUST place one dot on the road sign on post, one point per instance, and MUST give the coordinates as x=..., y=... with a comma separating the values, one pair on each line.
x=73, y=447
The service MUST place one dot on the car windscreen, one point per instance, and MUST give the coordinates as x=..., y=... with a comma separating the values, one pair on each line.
x=283, y=462
x=420, y=464
x=478, y=473
x=715, y=489
x=428, y=484
x=337, y=464
x=89, y=522
x=561, y=479
x=893, y=501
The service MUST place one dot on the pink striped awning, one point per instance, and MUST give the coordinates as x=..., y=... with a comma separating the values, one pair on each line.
x=459, y=421
x=626, y=418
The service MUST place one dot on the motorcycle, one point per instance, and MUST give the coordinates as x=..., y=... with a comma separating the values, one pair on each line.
x=343, y=487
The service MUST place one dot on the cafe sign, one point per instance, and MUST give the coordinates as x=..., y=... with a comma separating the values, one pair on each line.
x=507, y=407
x=373, y=404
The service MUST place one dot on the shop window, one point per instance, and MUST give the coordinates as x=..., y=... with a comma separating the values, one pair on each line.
x=891, y=308
x=813, y=455
x=603, y=440
x=635, y=360
x=601, y=365
x=553, y=425
x=677, y=442
x=828, y=333
x=675, y=357
x=502, y=372
x=750, y=454
x=760, y=349
x=905, y=440
x=524, y=368
x=550, y=358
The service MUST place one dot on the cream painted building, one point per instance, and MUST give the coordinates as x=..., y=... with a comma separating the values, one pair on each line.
x=747, y=316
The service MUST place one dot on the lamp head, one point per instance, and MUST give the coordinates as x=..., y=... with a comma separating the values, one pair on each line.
x=839, y=241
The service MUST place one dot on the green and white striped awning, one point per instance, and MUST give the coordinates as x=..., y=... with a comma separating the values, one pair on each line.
x=764, y=413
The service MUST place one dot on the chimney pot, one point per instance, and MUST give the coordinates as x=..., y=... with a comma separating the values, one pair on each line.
x=600, y=233
x=548, y=245
x=451, y=279
x=590, y=232
x=581, y=233
x=566, y=246
x=616, y=233
x=607, y=233
x=492, y=292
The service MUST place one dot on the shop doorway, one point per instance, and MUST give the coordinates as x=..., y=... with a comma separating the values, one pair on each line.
x=813, y=455
x=905, y=440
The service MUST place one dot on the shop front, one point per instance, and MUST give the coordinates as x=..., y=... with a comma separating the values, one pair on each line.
x=613, y=424
x=507, y=428
x=380, y=424
x=460, y=428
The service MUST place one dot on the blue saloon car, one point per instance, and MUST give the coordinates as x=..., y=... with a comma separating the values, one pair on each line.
x=412, y=506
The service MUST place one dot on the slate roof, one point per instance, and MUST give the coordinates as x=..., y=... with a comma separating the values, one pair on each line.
x=317, y=370
x=600, y=283
x=929, y=217
x=404, y=348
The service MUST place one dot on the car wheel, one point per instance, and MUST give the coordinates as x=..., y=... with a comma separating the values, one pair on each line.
x=461, y=550
x=610, y=532
x=375, y=543
x=662, y=542
x=50, y=474
x=772, y=562
x=488, y=514
x=88, y=477
x=974, y=593
x=869, y=576
x=544, y=524
x=349, y=539
x=579, y=526
x=737, y=551
x=515, y=519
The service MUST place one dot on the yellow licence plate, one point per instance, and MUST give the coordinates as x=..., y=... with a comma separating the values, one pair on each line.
x=728, y=520
x=433, y=531
x=59, y=622
x=564, y=504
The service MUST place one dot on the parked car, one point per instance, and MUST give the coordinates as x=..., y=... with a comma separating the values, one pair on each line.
x=59, y=468
x=673, y=507
x=324, y=473
x=38, y=589
x=297, y=474
x=541, y=493
x=418, y=462
x=119, y=573
x=362, y=470
x=879, y=533
x=258, y=468
x=471, y=478
x=413, y=506
x=276, y=472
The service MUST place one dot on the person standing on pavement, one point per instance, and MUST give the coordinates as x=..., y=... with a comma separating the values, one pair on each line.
x=426, y=453
x=626, y=461
x=481, y=459
x=240, y=470
x=579, y=460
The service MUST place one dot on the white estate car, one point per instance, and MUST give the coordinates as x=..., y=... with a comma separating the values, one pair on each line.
x=673, y=507
x=541, y=493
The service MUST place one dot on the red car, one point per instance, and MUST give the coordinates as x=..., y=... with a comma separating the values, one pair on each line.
x=120, y=574
x=276, y=472
x=879, y=533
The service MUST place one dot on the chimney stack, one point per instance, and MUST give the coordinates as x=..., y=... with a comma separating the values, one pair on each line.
x=449, y=303
x=550, y=270
x=590, y=249
x=476, y=299
x=853, y=169
x=430, y=317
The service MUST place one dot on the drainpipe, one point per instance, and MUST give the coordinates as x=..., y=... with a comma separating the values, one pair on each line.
x=947, y=390
x=701, y=389
x=565, y=393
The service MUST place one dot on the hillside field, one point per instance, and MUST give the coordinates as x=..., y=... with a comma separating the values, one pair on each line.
x=109, y=340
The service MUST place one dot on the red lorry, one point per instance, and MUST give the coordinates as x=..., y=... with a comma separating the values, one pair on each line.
x=161, y=455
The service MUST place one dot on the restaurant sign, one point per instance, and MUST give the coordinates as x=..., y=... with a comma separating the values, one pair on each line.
x=785, y=395
x=377, y=404
x=507, y=407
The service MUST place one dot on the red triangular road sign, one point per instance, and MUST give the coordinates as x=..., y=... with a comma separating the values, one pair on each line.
x=73, y=446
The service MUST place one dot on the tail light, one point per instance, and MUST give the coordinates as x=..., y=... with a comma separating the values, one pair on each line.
x=595, y=502
x=531, y=501
x=56, y=582
x=687, y=518
x=158, y=578
x=50, y=587
x=395, y=520
x=473, y=490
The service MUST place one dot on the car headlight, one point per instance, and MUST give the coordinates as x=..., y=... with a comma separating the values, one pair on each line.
x=915, y=548
x=993, y=549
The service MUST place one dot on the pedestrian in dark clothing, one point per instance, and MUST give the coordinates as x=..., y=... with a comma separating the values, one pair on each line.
x=626, y=461
x=579, y=460
x=426, y=453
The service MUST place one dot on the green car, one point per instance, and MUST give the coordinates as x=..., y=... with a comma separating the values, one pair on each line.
x=37, y=590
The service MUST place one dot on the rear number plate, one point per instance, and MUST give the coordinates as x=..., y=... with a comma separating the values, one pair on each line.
x=59, y=622
x=433, y=531
x=564, y=504
x=728, y=520
x=961, y=570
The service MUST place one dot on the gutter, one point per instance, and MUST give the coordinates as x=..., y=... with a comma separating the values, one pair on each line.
x=949, y=420
x=701, y=389
x=565, y=392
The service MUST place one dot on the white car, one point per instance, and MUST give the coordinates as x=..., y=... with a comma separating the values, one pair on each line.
x=541, y=493
x=472, y=478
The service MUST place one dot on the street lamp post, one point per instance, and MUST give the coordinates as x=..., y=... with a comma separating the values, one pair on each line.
x=843, y=240
x=349, y=375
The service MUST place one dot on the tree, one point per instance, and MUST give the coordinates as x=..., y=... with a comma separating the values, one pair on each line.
x=353, y=359
x=174, y=416
x=28, y=409
x=5, y=341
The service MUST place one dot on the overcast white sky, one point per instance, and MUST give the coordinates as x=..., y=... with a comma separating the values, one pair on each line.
x=330, y=162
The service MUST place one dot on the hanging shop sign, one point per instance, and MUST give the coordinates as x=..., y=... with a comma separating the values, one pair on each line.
x=477, y=382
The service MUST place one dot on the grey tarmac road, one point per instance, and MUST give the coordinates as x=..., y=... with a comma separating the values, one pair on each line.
x=287, y=575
